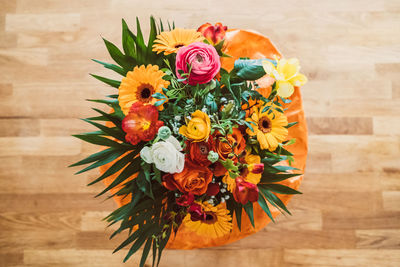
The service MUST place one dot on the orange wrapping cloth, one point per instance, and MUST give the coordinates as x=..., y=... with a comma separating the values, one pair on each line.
x=243, y=43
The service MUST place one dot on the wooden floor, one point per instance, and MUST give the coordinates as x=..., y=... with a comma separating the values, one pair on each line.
x=349, y=214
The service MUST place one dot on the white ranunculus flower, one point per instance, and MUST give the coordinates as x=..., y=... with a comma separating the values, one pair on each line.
x=165, y=155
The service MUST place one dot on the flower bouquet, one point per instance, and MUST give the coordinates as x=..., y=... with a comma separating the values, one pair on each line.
x=198, y=149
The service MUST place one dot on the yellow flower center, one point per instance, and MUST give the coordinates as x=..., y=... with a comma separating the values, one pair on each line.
x=146, y=125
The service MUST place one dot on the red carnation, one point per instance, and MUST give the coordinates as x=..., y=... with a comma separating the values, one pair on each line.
x=196, y=213
x=185, y=200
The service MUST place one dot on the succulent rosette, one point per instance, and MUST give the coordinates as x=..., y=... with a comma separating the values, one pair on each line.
x=188, y=144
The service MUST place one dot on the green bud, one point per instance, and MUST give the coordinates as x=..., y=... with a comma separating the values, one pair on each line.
x=164, y=132
x=212, y=156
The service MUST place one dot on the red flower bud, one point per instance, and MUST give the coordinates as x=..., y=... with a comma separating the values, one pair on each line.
x=214, y=34
x=185, y=200
x=212, y=189
x=256, y=168
x=245, y=191
x=196, y=213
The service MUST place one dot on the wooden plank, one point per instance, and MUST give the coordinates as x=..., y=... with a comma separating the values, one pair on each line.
x=378, y=239
x=336, y=257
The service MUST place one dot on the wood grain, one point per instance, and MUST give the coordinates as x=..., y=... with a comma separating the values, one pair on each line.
x=349, y=214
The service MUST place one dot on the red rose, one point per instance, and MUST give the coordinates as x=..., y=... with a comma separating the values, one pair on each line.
x=198, y=151
x=212, y=189
x=185, y=200
x=245, y=191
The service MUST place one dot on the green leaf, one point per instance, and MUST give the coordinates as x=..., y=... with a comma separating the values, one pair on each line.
x=128, y=40
x=122, y=162
x=291, y=124
x=144, y=184
x=152, y=35
x=225, y=79
x=145, y=231
x=130, y=170
x=280, y=189
x=162, y=245
x=140, y=45
x=250, y=69
x=113, y=117
x=114, y=155
x=98, y=140
x=145, y=252
x=264, y=205
x=109, y=102
x=248, y=208
x=272, y=198
x=113, y=132
x=154, y=252
x=94, y=157
x=269, y=178
x=118, y=57
x=238, y=212
x=113, y=67
x=127, y=241
x=110, y=82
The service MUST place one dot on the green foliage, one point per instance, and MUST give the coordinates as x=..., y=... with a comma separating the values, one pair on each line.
x=250, y=69
x=146, y=208
x=135, y=51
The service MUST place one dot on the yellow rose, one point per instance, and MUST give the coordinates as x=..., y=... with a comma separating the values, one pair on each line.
x=199, y=127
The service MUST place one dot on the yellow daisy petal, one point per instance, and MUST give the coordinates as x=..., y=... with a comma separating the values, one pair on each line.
x=170, y=42
x=298, y=80
x=284, y=89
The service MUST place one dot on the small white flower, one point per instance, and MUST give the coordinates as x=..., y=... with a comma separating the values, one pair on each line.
x=227, y=197
x=178, y=117
x=222, y=190
x=222, y=200
x=165, y=155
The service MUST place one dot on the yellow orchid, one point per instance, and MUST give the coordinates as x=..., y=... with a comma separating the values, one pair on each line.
x=286, y=74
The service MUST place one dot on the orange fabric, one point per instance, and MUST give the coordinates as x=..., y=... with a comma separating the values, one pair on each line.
x=242, y=43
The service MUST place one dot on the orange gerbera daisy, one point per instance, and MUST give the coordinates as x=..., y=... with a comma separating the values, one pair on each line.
x=139, y=85
x=170, y=42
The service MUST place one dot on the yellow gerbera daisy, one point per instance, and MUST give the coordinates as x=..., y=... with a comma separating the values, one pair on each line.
x=139, y=85
x=268, y=128
x=287, y=75
x=247, y=176
x=170, y=42
x=217, y=224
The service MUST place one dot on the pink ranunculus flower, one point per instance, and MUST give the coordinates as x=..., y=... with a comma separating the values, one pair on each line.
x=204, y=60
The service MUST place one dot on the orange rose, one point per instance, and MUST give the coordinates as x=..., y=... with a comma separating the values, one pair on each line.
x=236, y=144
x=193, y=179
